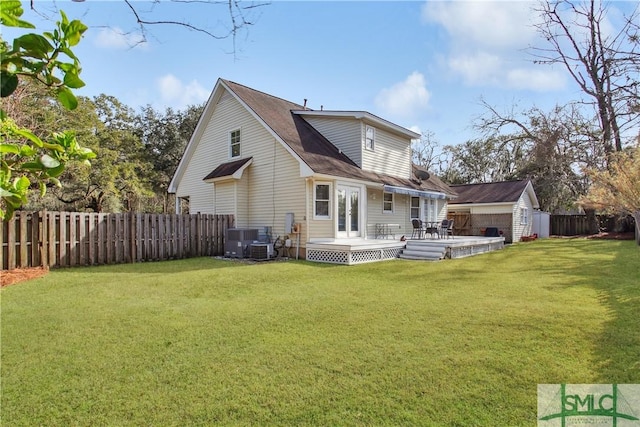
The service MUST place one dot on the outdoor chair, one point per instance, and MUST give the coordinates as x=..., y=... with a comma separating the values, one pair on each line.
x=417, y=228
x=450, y=229
x=443, y=229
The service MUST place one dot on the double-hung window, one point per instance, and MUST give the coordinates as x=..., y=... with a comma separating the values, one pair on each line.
x=415, y=208
x=369, y=138
x=387, y=202
x=234, y=143
x=524, y=216
x=322, y=201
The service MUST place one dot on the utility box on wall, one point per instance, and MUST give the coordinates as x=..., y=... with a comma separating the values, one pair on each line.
x=288, y=222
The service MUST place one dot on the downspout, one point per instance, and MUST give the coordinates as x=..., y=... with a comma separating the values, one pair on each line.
x=307, y=221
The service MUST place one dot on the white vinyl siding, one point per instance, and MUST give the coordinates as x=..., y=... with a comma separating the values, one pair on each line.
x=401, y=214
x=225, y=198
x=392, y=154
x=519, y=228
x=345, y=134
x=269, y=188
x=243, y=191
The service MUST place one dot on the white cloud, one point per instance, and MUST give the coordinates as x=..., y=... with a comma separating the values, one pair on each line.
x=538, y=79
x=176, y=94
x=405, y=98
x=115, y=38
x=488, y=40
x=477, y=68
x=495, y=24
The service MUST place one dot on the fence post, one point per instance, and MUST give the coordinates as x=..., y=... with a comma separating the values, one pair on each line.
x=36, y=250
x=3, y=224
x=44, y=233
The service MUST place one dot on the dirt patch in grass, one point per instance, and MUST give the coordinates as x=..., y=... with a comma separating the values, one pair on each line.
x=613, y=236
x=17, y=275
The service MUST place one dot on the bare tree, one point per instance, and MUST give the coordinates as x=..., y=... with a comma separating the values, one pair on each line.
x=425, y=152
x=550, y=148
x=228, y=18
x=605, y=65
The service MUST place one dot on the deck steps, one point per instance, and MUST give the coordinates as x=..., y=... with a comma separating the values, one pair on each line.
x=423, y=250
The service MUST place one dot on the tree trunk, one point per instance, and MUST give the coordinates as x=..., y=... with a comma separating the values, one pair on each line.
x=592, y=221
x=636, y=216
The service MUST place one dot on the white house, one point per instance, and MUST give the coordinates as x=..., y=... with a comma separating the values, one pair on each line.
x=343, y=177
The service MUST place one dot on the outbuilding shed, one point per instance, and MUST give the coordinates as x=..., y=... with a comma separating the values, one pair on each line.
x=503, y=207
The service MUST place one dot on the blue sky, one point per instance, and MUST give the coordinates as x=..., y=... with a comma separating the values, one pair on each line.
x=422, y=65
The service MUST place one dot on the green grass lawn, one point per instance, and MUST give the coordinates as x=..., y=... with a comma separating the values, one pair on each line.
x=210, y=342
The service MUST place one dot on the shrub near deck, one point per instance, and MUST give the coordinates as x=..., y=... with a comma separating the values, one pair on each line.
x=203, y=341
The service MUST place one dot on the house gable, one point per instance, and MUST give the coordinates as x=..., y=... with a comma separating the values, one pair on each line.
x=347, y=130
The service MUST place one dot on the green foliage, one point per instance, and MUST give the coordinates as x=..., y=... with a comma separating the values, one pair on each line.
x=26, y=158
x=211, y=342
x=29, y=160
x=45, y=57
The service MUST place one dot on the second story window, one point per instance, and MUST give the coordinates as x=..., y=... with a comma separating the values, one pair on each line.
x=234, y=141
x=369, y=138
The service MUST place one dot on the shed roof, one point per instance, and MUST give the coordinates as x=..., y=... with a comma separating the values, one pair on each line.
x=491, y=192
x=227, y=169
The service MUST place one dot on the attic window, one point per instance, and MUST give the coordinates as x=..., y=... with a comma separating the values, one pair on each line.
x=369, y=139
x=234, y=143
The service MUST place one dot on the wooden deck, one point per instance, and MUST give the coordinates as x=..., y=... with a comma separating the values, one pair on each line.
x=359, y=251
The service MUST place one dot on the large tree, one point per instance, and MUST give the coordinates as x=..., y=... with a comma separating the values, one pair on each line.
x=602, y=58
x=553, y=147
x=164, y=136
x=617, y=189
x=490, y=158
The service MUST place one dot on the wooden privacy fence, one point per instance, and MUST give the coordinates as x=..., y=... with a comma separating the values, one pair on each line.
x=67, y=239
x=570, y=225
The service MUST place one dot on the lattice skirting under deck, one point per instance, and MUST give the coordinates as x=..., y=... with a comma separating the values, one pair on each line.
x=464, y=251
x=352, y=257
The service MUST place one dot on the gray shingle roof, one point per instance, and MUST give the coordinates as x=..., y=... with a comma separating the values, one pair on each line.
x=312, y=147
x=492, y=192
x=227, y=169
